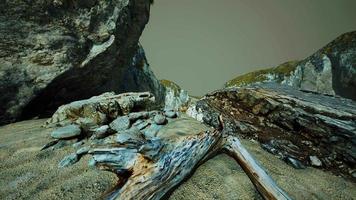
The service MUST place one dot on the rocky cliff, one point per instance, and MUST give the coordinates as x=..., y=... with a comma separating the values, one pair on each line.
x=331, y=70
x=54, y=52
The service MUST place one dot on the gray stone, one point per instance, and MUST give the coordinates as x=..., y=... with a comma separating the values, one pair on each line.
x=120, y=124
x=152, y=130
x=68, y=160
x=170, y=114
x=294, y=163
x=160, y=119
x=315, y=161
x=66, y=132
x=78, y=144
x=138, y=115
x=129, y=136
x=82, y=151
x=40, y=56
x=101, y=132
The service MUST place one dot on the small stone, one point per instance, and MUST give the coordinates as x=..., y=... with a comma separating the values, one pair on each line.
x=334, y=139
x=152, y=130
x=120, y=123
x=52, y=143
x=82, y=151
x=315, y=161
x=294, y=163
x=87, y=124
x=101, y=132
x=353, y=174
x=160, y=119
x=66, y=132
x=77, y=144
x=129, y=136
x=141, y=124
x=92, y=162
x=170, y=114
x=138, y=115
x=68, y=160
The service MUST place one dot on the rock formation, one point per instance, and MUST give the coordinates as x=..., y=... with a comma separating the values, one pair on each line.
x=149, y=165
x=55, y=52
x=175, y=98
x=331, y=70
x=302, y=128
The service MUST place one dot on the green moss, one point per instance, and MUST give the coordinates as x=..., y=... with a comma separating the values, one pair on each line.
x=171, y=85
x=282, y=70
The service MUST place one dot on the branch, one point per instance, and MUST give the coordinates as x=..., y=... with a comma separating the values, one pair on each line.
x=259, y=177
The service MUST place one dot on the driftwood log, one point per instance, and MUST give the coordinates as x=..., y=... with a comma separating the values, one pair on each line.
x=152, y=168
x=124, y=139
x=302, y=128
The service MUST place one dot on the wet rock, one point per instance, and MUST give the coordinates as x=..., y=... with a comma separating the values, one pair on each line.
x=314, y=161
x=120, y=124
x=160, y=119
x=65, y=132
x=82, y=151
x=170, y=114
x=68, y=160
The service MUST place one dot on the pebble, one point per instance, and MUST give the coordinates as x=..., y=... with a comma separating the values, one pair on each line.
x=101, y=132
x=294, y=163
x=170, y=114
x=160, y=119
x=68, y=160
x=120, y=123
x=77, y=144
x=66, y=132
x=315, y=161
x=82, y=151
x=152, y=130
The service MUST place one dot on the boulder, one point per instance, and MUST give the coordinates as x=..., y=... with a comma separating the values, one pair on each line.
x=331, y=70
x=56, y=52
x=65, y=132
x=175, y=97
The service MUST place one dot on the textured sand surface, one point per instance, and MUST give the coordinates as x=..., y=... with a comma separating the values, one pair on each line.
x=27, y=173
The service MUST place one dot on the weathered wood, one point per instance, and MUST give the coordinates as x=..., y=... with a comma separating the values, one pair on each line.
x=152, y=178
x=149, y=165
x=267, y=187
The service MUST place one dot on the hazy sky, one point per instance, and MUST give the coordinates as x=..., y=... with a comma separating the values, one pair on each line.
x=201, y=44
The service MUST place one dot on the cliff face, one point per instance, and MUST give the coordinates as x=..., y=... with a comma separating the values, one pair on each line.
x=54, y=52
x=331, y=70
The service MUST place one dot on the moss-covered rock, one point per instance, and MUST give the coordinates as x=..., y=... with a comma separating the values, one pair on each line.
x=331, y=70
x=265, y=75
